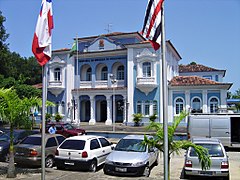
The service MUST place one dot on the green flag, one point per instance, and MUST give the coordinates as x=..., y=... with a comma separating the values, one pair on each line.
x=74, y=48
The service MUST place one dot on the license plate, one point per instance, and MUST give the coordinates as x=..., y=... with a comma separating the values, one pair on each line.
x=206, y=172
x=121, y=169
x=69, y=163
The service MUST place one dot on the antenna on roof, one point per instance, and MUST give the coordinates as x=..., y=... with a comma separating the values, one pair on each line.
x=108, y=29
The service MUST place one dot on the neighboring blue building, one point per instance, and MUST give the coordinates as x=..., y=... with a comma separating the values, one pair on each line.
x=113, y=76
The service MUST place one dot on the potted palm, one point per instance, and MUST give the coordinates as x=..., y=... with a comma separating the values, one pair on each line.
x=58, y=117
x=137, y=118
x=153, y=117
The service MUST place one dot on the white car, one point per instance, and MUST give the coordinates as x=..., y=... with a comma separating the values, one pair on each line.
x=83, y=152
x=131, y=157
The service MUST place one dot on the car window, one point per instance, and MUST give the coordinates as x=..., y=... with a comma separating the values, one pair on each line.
x=51, y=142
x=104, y=142
x=94, y=144
x=59, y=127
x=214, y=150
x=130, y=145
x=60, y=139
x=73, y=144
x=68, y=126
x=32, y=141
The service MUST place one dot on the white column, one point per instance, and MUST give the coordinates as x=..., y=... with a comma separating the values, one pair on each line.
x=92, y=121
x=205, y=106
x=109, y=103
x=170, y=106
x=223, y=95
x=124, y=109
x=188, y=103
x=77, y=111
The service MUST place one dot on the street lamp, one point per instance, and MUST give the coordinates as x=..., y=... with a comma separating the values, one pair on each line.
x=113, y=81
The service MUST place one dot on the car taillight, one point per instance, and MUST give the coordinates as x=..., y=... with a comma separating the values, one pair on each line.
x=33, y=153
x=224, y=165
x=57, y=153
x=84, y=154
x=188, y=163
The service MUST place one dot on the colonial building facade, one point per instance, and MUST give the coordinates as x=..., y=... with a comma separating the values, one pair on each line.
x=113, y=76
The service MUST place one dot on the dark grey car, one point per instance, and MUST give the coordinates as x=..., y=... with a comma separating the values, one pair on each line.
x=28, y=152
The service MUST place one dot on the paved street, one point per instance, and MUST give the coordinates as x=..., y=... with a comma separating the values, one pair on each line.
x=156, y=173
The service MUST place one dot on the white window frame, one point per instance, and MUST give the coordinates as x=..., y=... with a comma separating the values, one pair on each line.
x=200, y=102
x=147, y=69
x=214, y=105
x=178, y=104
x=57, y=74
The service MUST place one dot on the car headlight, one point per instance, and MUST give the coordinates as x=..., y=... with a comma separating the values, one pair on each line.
x=1, y=148
x=109, y=162
x=138, y=164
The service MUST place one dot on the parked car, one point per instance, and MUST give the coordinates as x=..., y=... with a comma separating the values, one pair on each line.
x=66, y=129
x=18, y=135
x=28, y=152
x=131, y=157
x=219, y=160
x=85, y=152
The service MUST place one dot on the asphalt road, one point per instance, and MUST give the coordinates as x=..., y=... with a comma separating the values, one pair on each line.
x=156, y=173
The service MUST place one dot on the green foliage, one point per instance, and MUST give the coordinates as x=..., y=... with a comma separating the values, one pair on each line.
x=137, y=118
x=236, y=95
x=175, y=146
x=58, y=117
x=16, y=113
x=48, y=117
x=193, y=63
x=153, y=117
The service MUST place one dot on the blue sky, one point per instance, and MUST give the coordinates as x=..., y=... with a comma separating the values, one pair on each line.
x=204, y=31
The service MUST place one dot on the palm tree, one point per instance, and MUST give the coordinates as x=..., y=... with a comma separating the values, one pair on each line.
x=175, y=146
x=13, y=110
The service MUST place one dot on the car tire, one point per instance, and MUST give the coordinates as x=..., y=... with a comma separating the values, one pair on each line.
x=146, y=171
x=60, y=167
x=184, y=176
x=49, y=162
x=93, y=166
x=157, y=161
x=226, y=178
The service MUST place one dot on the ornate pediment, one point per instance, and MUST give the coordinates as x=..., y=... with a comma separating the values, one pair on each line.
x=146, y=54
x=102, y=44
x=56, y=61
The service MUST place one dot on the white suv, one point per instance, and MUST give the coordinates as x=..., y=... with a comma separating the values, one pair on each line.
x=83, y=152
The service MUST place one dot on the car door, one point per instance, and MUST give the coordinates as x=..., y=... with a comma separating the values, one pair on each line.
x=51, y=146
x=96, y=150
x=106, y=148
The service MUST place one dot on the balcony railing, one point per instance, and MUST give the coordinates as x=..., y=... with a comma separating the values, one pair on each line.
x=55, y=84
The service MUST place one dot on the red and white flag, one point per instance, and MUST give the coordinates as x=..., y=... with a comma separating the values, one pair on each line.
x=42, y=40
x=152, y=26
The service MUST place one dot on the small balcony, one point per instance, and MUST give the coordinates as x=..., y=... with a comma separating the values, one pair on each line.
x=146, y=84
x=55, y=87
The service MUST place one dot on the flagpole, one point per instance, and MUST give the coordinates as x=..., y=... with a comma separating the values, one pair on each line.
x=44, y=92
x=164, y=96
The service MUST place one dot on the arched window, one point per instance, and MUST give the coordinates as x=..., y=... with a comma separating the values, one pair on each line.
x=104, y=73
x=146, y=69
x=147, y=108
x=120, y=73
x=155, y=107
x=139, y=107
x=89, y=74
x=196, y=104
x=57, y=74
x=179, y=105
x=214, y=105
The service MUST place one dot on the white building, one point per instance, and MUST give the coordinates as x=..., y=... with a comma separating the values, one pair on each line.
x=113, y=76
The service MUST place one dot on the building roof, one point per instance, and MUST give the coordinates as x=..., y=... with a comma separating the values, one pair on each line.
x=194, y=81
x=196, y=68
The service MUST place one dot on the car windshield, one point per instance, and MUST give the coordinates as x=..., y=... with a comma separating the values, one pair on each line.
x=6, y=136
x=214, y=150
x=32, y=141
x=73, y=144
x=135, y=145
x=68, y=126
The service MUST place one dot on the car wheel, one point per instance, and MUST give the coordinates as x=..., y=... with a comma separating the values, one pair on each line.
x=157, y=161
x=93, y=166
x=60, y=167
x=146, y=172
x=184, y=176
x=49, y=162
x=226, y=178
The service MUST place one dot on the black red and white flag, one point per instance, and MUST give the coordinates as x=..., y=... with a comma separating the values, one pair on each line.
x=152, y=26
